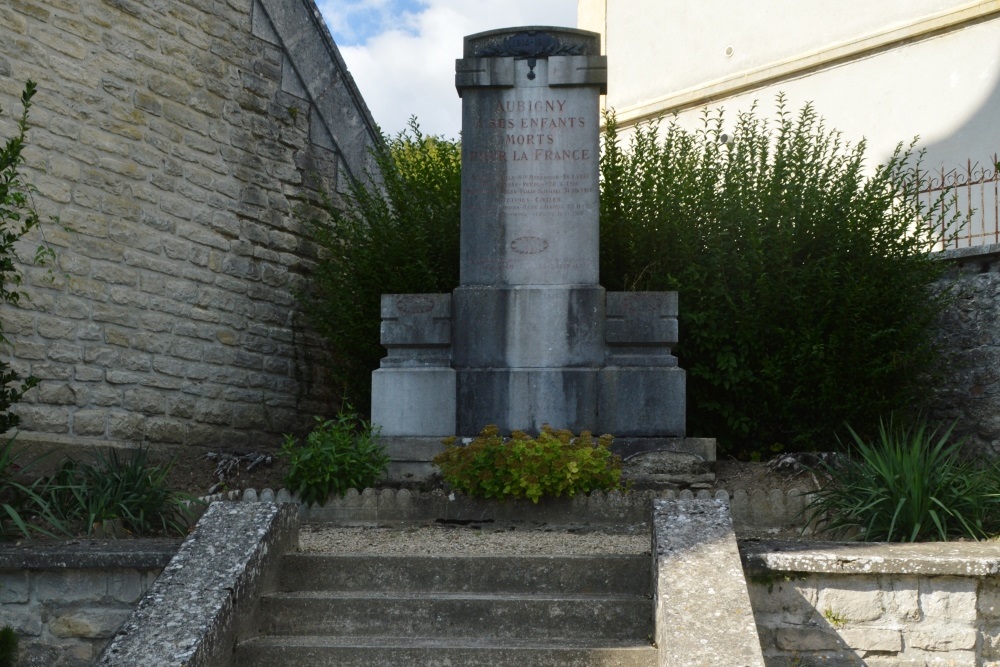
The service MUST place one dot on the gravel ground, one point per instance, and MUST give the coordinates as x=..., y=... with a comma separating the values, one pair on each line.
x=454, y=540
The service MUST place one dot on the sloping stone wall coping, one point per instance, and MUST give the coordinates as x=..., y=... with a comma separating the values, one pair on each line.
x=140, y=554
x=971, y=559
x=205, y=598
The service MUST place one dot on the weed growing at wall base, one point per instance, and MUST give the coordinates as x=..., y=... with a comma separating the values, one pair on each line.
x=339, y=454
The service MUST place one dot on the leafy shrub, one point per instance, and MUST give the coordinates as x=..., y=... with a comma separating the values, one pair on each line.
x=339, y=454
x=17, y=218
x=554, y=464
x=805, y=287
x=117, y=493
x=909, y=485
x=400, y=237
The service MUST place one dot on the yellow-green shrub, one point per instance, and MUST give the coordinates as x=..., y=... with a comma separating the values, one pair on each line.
x=556, y=463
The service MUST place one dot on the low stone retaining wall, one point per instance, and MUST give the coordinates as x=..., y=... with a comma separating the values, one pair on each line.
x=876, y=605
x=206, y=598
x=66, y=601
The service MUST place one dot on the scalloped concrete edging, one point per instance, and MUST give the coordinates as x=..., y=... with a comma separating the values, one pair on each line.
x=761, y=510
x=205, y=599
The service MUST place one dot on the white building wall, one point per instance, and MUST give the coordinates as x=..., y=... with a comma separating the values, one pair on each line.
x=886, y=70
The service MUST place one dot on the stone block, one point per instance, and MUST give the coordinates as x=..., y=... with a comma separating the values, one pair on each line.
x=642, y=401
x=127, y=585
x=89, y=422
x=807, y=638
x=88, y=623
x=25, y=620
x=416, y=329
x=902, y=598
x=943, y=637
x=528, y=327
x=525, y=399
x=66, y=586
x=989, y=598
x=853, y=599
x=948, y=598
x=787, y=601
x=872, y=639
x=14, y=586
x=414, y=401
x=642, y=318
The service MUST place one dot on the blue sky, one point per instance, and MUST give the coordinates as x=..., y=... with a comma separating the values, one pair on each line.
x=402, y=52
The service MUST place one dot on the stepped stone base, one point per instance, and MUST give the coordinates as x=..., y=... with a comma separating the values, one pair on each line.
x=412, y=457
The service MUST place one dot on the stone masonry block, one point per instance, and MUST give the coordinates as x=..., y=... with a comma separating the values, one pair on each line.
x=89, y=422
x=872, y=639
x=66, y=586
x=416, y=329
x=792, y=601
x=128, y=585
x=642, y=401
x=88, y=623
x=414, y=401
x=14, y=586
x=43, y=419
x=902, y=598
x=807, y=638
x=989, y=598
x=943, y=637
x=948, y=598
x=636, y=318
x=125, y=426
x=24, y=619
x=855, y=599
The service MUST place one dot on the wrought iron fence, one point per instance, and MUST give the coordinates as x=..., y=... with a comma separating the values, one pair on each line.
x=971, y=192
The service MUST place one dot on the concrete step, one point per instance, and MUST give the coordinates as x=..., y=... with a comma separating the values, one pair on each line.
x=504, y=574
x=385, y=651
x=479, y=615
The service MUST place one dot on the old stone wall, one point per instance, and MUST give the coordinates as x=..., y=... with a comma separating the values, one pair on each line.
x=876, y=605
x=67, y=601
x=170, y=143
x=968, y=392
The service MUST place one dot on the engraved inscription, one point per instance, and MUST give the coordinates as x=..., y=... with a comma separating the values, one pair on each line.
x=529, y=245
x=414, y=305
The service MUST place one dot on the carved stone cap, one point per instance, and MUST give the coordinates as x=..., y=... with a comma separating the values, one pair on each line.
x=532, y=42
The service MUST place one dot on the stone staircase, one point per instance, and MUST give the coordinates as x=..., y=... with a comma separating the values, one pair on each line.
x=455, y=610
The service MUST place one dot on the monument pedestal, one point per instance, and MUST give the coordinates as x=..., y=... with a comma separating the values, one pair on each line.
x=525, y=398
x=532, y=337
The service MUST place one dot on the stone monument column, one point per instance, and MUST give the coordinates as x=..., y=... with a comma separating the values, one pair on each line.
x=528, y=319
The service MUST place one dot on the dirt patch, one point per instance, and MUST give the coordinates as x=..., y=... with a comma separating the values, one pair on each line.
x=733, y=475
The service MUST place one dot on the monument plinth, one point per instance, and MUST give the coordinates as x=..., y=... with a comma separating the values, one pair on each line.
x=529, y=338
x=533, y=337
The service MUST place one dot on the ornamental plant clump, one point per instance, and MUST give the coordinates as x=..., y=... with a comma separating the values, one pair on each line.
x=339, y=454
x=909, y=485
x=121, y=493
x=556, y=463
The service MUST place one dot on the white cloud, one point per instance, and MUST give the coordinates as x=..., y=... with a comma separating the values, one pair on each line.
x=410, y=69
